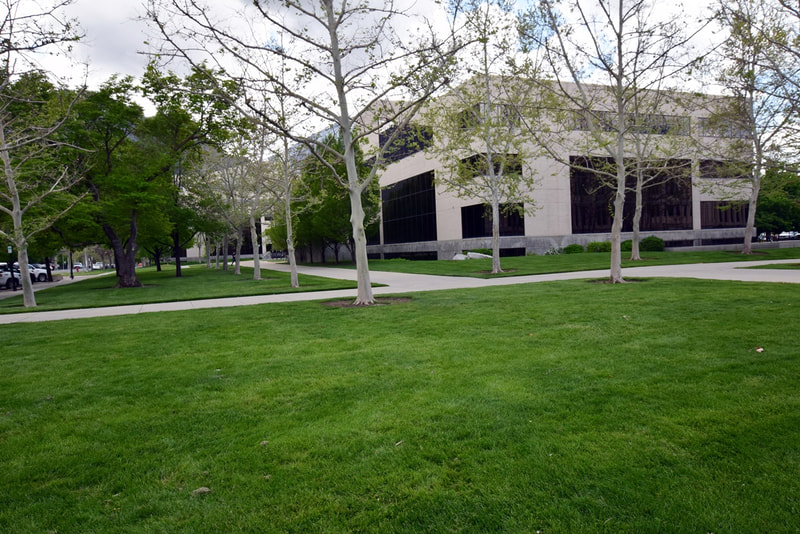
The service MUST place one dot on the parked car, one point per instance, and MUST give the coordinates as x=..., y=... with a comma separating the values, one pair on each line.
x=6, y=280
x=78, y=266
x=37, y=274
x=788, y=235
x=98, y=266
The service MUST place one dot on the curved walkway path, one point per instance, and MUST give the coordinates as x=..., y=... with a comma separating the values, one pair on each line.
x=396, y=283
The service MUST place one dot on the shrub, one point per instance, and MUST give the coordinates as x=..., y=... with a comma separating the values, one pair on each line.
x=598, y=246
x=554, y=251
x=486, y=251
x=575, y=248
x=652, y=244
x=626, y=245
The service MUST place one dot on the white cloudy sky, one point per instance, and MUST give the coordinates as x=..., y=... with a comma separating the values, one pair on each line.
x=114, y=39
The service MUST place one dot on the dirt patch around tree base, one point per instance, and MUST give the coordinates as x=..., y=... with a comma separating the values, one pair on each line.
x=379, y=301
x=624, y=280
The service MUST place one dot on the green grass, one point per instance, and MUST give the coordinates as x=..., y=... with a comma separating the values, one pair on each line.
x=553, y=407
x=526, y=265
x=790, y=266
x=196, y=282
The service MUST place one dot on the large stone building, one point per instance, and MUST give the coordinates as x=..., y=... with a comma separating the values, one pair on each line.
x=421, y=219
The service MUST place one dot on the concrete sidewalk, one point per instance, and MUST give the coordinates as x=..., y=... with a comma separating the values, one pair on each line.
x=398, y=283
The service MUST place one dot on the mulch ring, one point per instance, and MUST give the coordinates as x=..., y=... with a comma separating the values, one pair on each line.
x=624, y=280
x=379, y=301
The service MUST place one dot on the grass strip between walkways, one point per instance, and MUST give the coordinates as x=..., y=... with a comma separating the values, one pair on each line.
x=656, y=406
x=588, y=261
x=197, y=282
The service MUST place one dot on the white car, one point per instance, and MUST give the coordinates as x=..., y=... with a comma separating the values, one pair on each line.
x=6, y=281
x=37, y=274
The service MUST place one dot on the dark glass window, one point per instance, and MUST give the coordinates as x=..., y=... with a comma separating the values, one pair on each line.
x=410, y=140
x=476, y=220
x=712, y=168
x=409, y=210
x=721, y=214
x=644, y=123
x=667, y=204
x=478, y=166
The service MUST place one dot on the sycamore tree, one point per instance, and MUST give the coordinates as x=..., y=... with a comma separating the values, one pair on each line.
x=634, y=52
x=260, y=199
x=35, y=163
x=281, y=160
x=235, y=176
x=283, y=166
x=761, y=113
x=783, y=31
x=224, y=176
x=477, y=126
x=321, y=205
x=359, y=66
x=190, y=116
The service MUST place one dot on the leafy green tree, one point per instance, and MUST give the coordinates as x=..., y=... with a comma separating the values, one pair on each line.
x=322, y=205
x=136, y=170
x=36, y=165
x=637, y=53
x=191, y=115
x=478, y=126
x=120, y=176
x=33, y=165
x=761, y=111
x=779, y=202
x=356, y=65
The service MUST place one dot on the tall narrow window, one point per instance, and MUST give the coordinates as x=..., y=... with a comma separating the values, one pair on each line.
x=409, y=210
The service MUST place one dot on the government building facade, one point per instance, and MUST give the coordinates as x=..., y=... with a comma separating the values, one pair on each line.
x=421, y=219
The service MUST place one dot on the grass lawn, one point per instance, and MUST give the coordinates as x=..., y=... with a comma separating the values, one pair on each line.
x=552, y=407
x=525, y=265
x=196, y=282
x=791, y=266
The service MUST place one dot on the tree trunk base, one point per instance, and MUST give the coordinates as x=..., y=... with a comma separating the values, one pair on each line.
x=121, y=285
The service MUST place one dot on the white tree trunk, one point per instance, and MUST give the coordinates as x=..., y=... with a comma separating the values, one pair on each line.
x=750, y=228
x=364, y=296
x=496, y=237
x=637, y=217
x=355, y=187
x=28, y=299
x=290, y=240
x=256, y=255
x=287, y=210
x=18, y=235
x=238, y=260
x=619, y=203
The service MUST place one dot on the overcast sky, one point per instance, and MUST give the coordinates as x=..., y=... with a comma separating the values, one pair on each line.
x=114, y=39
